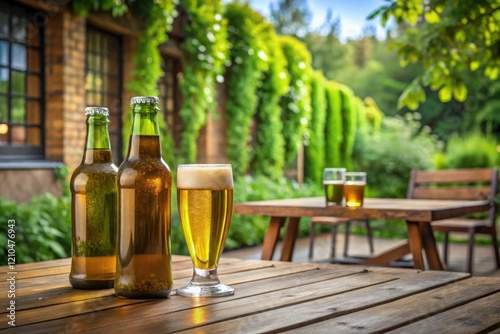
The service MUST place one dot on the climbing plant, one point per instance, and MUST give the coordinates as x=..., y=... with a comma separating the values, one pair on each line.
x=333, y=126
x=205, y=47
x=295, y=104
x=156, y=18
x=269, y=147
x=315, y=144
x=248, y=59
x=349, y=125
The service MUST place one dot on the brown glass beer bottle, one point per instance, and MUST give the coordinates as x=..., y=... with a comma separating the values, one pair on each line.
x=93, y=208
x=143, y=264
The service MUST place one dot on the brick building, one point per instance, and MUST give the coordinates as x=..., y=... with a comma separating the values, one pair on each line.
x=54, y=63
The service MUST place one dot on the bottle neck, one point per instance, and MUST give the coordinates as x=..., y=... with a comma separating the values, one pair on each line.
x=145, y=136
x=145, y=120
x=97, y=143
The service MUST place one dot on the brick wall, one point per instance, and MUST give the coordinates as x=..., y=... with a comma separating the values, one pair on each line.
x=64, y=88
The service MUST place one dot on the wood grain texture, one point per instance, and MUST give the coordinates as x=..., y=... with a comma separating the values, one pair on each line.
x=272, y=296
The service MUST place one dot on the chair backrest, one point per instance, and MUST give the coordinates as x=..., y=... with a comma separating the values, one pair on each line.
x=455, y=184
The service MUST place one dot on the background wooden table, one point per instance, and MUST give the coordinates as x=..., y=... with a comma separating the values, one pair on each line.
x=270, y=297
x=418, y=213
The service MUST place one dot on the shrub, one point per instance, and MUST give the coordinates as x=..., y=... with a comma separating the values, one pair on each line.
x=295, y=103
x=42, y=225
x=389, y=156
x=315, y=145
x=473, y=150
x=249, y=230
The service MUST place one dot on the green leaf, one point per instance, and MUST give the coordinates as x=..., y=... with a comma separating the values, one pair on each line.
x=432, y=17
x=445, y=93
x=474, y=65
x=460, y=92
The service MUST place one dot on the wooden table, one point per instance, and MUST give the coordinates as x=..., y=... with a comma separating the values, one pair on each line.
x=270, y=297
x=417, y=213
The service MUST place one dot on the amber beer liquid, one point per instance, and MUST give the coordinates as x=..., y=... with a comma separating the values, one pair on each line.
x=334, y=192
x=93, y=208
x=354, y=193
x=205, y=200
x=143, y=264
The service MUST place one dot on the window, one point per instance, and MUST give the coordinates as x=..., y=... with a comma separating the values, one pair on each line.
x=103, y=81
x=21, y=85
x=169, y=96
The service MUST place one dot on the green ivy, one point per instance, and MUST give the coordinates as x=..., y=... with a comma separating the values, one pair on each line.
x=157, y=18
x=269, y=147
x=333, y=126
x=295, y=104
x=315, y=145
x=248, y=60
x=349, y=125
x=205, y=47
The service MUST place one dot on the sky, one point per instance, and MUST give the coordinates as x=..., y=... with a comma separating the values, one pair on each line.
x=352, y=14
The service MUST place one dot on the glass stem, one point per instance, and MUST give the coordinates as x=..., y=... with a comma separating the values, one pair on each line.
x=204, y=277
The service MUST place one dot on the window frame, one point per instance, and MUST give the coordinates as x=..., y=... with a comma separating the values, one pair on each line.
x=10, y=151
x=115, y=114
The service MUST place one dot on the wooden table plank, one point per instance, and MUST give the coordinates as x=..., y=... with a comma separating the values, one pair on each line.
x=303, y=313
x=252, y=305
x=175, y=303
x=403, y=311
x=271, y=296
x=478, y=316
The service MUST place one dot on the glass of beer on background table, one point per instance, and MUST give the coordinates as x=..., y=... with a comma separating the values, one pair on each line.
x=205, y=200
x=333, y=181
x=354, y=189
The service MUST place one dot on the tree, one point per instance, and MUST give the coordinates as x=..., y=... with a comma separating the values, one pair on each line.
x=450, y=39
x=328, y=53
x=291, y=17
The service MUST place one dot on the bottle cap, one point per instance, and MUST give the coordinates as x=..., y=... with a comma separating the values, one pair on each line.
x=144, y=100
x=96, y=111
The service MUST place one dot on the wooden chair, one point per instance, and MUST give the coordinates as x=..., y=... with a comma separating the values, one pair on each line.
x=460, y=184
x=335, y=222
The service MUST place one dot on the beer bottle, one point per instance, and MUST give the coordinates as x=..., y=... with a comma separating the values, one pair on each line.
x=143, y=264
x=93, y=208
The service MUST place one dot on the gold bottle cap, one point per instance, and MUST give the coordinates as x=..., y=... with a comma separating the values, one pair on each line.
x=96, y=111
x=144, y=100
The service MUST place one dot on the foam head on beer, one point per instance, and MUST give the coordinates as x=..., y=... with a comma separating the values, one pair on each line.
x=204, y=176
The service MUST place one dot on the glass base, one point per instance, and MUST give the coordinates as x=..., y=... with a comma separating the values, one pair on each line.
x=205, y=283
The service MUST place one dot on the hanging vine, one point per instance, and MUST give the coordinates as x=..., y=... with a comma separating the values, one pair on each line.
x=205, y=46
x=248, y=59
x=157, y=18
x=315, y=145
x=269, y=147
x=295, y=103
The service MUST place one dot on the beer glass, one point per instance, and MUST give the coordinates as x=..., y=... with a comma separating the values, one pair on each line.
x=205, y=201
x=333, y=182
x=354, y=188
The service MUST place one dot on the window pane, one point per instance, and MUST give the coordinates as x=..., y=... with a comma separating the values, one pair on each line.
x=19, y=28
x=33, y=60
x=18, y=56
x=4, y=53
x=18, y=134
x=18, y=82
x=18, y=112
x=4, y=80
x=4, y=25
x=33, y=85
x=3, y=109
